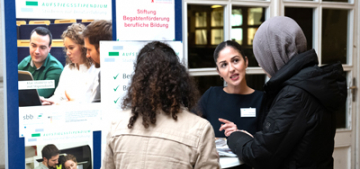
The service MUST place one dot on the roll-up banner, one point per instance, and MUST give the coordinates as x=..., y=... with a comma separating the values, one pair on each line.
x=56, y=97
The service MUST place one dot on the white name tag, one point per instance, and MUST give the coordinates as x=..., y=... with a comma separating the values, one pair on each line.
x=248, y=112
x=36, y=84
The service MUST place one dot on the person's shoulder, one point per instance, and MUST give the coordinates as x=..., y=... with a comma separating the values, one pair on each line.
x=40, y=166
x=293, y=93
x=93, y=70
x=258, y=93
x=216, y=88
x=213, y=90
x=24, y=62
x=193, y=119
x=119, y=118
x=54, y=63
x=67, y=67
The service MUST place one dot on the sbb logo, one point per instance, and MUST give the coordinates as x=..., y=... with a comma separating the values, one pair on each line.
x=28, y=117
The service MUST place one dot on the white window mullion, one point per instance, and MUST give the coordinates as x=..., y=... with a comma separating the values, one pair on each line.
x=318, y=28
x=357, y=70
x=350, y=48
x=227, y=21
x=307, y=4
x=185, y=34
x=275, y=8
x=203, y=72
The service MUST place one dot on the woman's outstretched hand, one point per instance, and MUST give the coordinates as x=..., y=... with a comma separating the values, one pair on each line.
x=229, y=127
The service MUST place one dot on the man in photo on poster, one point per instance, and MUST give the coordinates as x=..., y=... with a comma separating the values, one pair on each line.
x=50, y=154
x=93, y=34
x=40, y=63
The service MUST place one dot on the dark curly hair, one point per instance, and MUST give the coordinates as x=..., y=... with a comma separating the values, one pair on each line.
x=160, y=82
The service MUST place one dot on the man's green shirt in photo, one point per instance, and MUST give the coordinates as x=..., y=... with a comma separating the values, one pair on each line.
x=50, y=70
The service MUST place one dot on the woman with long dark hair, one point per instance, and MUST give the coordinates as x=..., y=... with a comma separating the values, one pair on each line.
x=156, y=130
x=236, y=103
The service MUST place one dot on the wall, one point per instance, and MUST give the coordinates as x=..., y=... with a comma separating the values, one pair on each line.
x=2, y=126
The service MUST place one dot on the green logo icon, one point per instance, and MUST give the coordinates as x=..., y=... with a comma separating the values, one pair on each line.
x=35, y=135
x=114, y=54
x=32, y=3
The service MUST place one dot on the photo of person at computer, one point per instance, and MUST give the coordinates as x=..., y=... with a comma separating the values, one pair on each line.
x=64, y=156
x=78, y=81
x=68, y=55
x=40, y=63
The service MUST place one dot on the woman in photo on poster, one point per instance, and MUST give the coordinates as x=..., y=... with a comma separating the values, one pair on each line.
x=156, y=129
x=70, y=162
x=78, y=81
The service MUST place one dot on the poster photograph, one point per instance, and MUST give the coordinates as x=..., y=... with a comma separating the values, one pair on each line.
x=59, y=155
x=57, y=81
x=53, y=66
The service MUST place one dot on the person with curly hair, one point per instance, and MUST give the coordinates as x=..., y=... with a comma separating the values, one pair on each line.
x=70, y=162
x=78, y=81
x=156, y=129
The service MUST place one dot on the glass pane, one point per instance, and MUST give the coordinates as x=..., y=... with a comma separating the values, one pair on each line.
x=202, y=41
x=251, y=34
x=236, y=17
x=256, y=81
x=217, y=17
x=334, y=36
x=217, y=36
x=205, y=82
x=251, y=19
x=336, y=0
x=255, y=16
x=200, y=19
x=304, y=17
x=341, y=115
x=237, y=35
x=200, y=37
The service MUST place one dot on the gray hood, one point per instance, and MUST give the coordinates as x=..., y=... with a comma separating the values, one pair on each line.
x=276, y=41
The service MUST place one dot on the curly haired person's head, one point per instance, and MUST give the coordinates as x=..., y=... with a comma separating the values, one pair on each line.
x=74, y=33
x=160, y=82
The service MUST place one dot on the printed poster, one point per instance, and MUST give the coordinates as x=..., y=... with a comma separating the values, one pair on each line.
x=145, y=20
x=68, y=124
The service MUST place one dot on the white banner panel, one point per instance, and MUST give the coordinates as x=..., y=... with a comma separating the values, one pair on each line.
x=64, y=9
x=117, y=67
x=41, y=119
x=145, y=20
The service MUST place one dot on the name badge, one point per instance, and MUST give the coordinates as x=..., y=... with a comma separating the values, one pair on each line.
x=248, y=112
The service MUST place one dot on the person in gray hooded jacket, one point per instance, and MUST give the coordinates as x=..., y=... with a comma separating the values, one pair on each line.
x=299, y=103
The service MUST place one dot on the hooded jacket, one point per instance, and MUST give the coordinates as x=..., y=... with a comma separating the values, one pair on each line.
x=298, y=126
